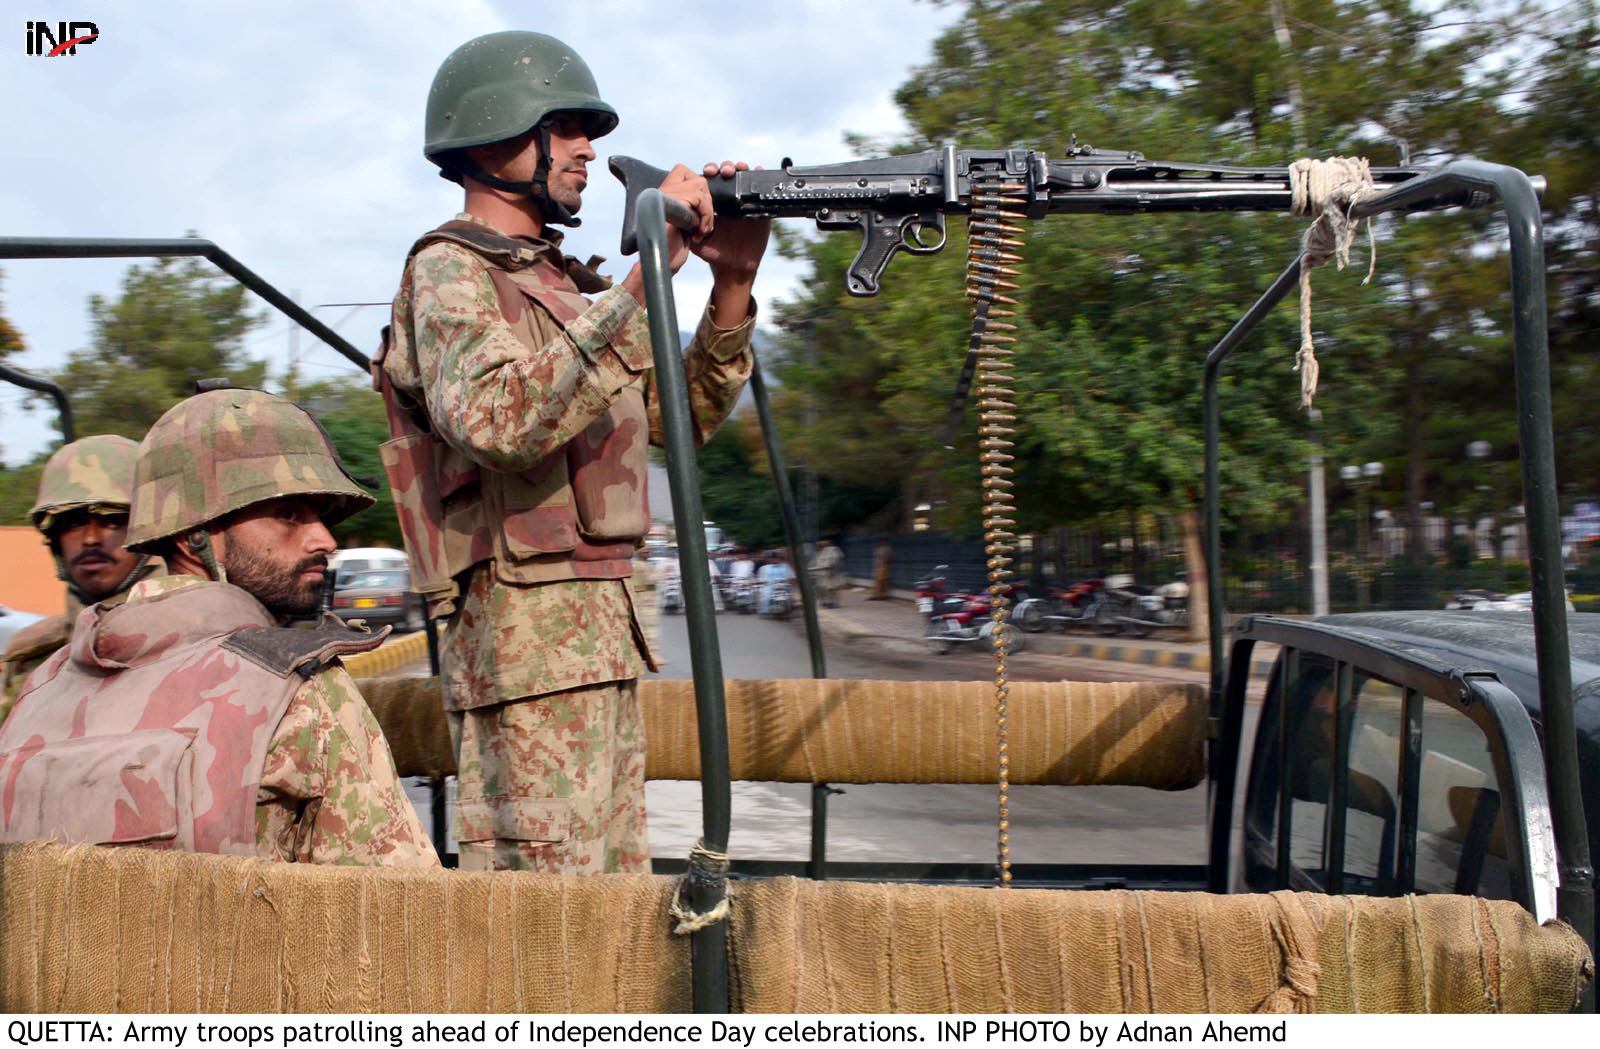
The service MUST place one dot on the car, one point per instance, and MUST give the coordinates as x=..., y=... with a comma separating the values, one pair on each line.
x=13, y=620
x=380, y=596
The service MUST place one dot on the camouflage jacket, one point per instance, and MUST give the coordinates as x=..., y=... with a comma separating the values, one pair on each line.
x=223, y=744
x=525, y=386
x=35, y=643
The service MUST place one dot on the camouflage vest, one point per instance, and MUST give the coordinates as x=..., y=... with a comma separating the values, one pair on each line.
x=579, y=514
x=151, y=728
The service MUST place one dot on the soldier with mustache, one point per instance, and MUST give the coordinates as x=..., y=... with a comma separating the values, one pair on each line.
x=185, y=716
x=522, y=402
x=82, y=512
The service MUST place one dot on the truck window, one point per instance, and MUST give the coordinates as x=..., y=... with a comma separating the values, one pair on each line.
x=1461, y=844
x=1460, y=841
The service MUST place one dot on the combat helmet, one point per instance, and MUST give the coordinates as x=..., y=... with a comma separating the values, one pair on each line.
x=93, y=474
x=500, y=86
x=226, y=450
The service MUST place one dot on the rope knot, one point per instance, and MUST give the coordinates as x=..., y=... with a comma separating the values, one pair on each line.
x=707, y=870
x=1329, y=190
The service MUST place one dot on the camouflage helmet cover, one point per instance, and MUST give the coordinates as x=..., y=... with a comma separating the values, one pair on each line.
x=95, y=473
x=225, y=450
x=498, y=86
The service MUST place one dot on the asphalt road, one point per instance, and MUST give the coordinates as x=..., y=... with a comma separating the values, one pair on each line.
x=924, y=822
x=927, y=823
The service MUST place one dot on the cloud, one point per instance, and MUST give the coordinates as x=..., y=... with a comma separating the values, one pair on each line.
x=291, y=136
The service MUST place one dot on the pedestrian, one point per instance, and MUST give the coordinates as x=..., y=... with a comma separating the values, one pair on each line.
x=827, y=568
x=82, y=512
x=186, y=717
x=521, y=409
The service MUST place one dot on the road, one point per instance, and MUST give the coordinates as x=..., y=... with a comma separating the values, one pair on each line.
x=924, y=822
x=935, y=823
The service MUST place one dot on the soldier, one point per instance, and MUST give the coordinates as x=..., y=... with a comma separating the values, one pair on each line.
x=521, y=411
x=82, y=512
x=186, y=717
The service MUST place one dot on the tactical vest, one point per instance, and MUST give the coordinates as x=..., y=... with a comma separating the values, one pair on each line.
x=151, y=728
x=579, y=514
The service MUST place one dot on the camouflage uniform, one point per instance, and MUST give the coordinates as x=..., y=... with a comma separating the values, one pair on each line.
x=186, y=718
x=326, y=789
x=93, y=474
x=522, y=407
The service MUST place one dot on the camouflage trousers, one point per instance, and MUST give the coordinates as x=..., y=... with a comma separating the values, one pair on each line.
x=553, y=783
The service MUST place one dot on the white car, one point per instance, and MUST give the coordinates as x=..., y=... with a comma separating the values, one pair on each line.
x=11, y=621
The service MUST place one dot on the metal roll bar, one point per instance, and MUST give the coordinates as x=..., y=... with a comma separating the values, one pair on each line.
x=706, y=890
x=1518, y=195
x=21, y=378
x=115, y=248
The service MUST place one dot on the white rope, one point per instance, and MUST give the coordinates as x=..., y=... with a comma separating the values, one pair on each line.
x=708, y=868
x=1329, y=190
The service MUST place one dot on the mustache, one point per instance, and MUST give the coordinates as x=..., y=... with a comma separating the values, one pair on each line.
x=317, y=561
x=92, y=557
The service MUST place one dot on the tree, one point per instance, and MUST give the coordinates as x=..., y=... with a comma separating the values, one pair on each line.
x=175, y=321
x=1117, y=312
x=353, y=415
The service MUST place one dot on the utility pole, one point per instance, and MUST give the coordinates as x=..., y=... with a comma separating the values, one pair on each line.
x=1319, y=521
x=291, y=377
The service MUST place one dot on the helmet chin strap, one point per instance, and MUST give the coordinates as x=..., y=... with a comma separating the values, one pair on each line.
x=537, y=188
x=200, y=544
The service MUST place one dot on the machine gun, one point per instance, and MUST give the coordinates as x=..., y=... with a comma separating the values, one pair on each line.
x=899, y=203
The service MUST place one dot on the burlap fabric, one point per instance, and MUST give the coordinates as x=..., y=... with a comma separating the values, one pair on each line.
x=1145, y=734
x=97, y=930
x=802, y=946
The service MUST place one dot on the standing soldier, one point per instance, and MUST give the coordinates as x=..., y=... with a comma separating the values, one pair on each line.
x=186, y=717
x=82, y=512
x=520, y=411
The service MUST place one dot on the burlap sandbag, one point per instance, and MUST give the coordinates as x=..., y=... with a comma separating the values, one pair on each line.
x=91, y=930
x=1144, y=734
x=802, y=946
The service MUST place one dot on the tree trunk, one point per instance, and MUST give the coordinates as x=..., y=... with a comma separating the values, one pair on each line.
x=1194, y=561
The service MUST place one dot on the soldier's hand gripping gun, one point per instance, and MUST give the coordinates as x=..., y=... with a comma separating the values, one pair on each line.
x=899, y=203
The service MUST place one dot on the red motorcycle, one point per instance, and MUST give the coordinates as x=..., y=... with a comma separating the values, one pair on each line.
x=956, y=617
x=1062, y=606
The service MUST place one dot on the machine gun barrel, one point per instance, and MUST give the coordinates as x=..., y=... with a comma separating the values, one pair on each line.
x=899, y=203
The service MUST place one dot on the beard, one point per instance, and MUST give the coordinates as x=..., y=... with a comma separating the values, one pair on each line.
x=274, y=581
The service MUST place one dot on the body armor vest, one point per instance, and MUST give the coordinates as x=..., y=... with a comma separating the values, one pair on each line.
x=152, y=726
x=579, y=514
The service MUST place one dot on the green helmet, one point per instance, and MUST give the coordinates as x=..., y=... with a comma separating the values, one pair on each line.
x=95, y=473
x=500, y=85
x=225, y=450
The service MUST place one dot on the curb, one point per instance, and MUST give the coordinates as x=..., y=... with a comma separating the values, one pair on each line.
x=389, y=656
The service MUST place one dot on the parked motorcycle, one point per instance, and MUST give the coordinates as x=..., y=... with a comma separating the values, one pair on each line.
x=955, y=617
x=669, y=595
x=1138, y=609
x=1061, y=606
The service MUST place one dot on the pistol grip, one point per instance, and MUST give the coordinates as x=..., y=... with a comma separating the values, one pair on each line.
x=636, y=176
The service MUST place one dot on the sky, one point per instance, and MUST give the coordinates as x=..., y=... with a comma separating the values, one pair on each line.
x=290, y=134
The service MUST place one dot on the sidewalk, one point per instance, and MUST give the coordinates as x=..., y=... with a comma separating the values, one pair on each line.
x=896, y=622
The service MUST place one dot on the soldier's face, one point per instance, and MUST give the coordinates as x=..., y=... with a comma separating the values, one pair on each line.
x=570, y=153
x=91, y=546
x=278, y=553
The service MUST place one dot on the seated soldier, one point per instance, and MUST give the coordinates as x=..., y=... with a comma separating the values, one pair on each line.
x=82, y=511
x=186, y=717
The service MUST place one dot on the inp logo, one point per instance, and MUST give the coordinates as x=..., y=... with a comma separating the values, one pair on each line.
x=64, y=41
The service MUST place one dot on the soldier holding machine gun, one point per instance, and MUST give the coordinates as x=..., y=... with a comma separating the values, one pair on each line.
x=521, y=410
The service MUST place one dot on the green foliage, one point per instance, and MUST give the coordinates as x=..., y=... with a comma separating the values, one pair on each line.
x=1117, y=312
x=19, y=490
x=176, y=321
x=736, y=483
x=352, y=413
